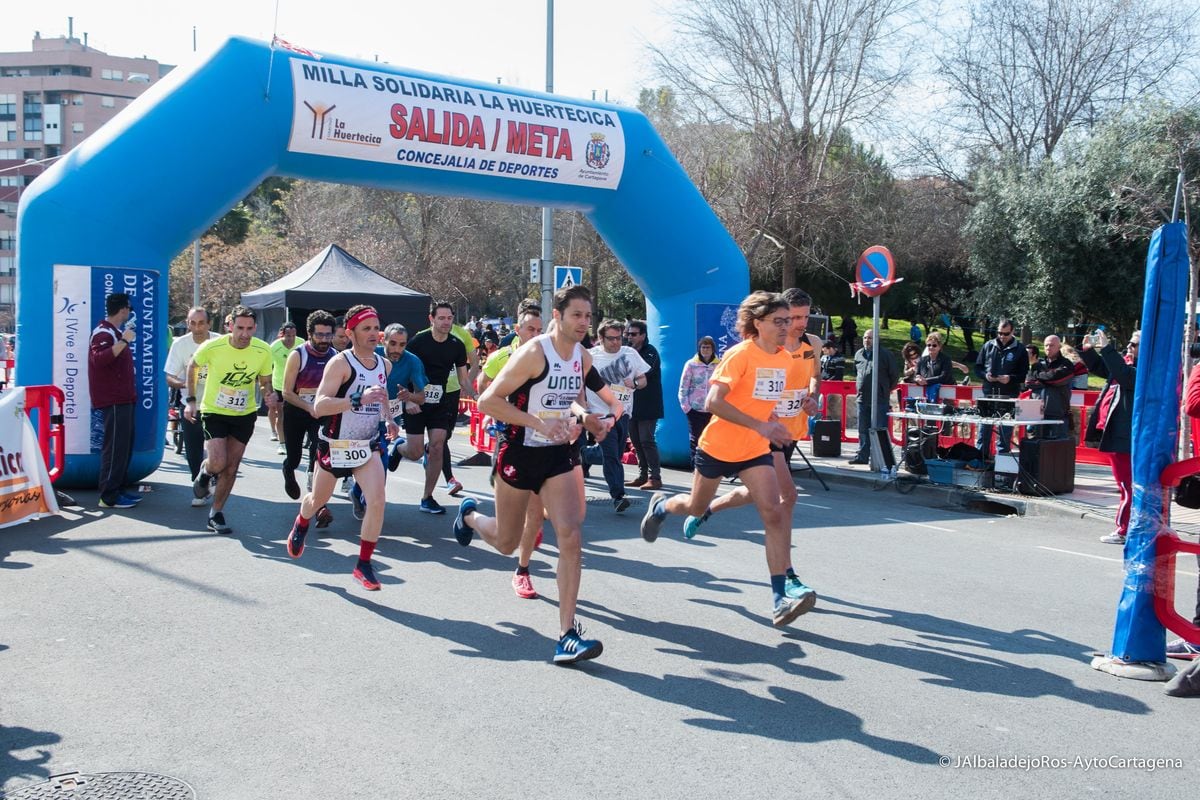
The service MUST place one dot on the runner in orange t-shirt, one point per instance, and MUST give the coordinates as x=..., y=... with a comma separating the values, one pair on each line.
x=798, y=401
x=743, y=396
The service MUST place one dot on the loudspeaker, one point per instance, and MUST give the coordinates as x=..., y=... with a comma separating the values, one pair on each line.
x=1047, y=466
x=826, y=437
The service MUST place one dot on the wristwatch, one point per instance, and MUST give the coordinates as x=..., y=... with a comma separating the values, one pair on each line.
x=190, y=399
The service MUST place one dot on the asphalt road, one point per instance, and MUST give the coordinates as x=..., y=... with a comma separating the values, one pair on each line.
x=139, y=641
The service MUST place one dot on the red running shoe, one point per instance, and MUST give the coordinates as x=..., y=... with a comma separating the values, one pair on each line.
x=295, y=540
x=365, y=575
x=324, y=517
x=523, y=586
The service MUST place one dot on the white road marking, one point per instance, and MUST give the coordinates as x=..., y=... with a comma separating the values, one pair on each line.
x=921, y=525
x=814, y=505
x=1106, y=558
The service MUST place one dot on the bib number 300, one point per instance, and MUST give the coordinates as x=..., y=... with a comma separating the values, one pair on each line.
x=349, y=453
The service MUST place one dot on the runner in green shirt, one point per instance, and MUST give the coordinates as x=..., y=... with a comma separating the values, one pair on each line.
x=228, y=409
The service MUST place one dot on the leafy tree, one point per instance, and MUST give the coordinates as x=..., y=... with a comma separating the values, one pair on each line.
x=1064, y=241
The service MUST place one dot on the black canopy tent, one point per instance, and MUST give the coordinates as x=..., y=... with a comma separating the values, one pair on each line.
x=334, y=280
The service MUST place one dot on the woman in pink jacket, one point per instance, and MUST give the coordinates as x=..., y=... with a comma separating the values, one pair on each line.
x=693, y=388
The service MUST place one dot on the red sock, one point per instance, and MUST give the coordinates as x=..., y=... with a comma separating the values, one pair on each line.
x=366, y=550
x=301, y=522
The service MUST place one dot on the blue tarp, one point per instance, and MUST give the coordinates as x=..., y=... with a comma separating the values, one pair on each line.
x=1139, y=636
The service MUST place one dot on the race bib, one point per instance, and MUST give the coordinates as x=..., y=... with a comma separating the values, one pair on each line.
x=232, y=399
x=534, y=438
x=791, y=403
x=396, y=407
x=769, y=383
x=623, y=394
x=307, y=396
x=433, y=394
x=349, y=453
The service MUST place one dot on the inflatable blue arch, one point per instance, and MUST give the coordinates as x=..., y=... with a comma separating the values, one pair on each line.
x=112, y=214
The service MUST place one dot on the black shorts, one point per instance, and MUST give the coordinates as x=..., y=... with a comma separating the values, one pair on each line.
x=220, y=426
x=342, y=472
x=528, y=468
x=710, y=467
x=443, y=415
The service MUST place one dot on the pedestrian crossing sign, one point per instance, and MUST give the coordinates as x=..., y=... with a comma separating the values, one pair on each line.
x=566, y=277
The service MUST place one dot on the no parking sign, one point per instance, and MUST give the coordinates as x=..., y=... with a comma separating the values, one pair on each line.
x=875, y=272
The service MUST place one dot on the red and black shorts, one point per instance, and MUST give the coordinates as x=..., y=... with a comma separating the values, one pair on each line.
x=528, y=468
x=221, y=426
x=342, y=472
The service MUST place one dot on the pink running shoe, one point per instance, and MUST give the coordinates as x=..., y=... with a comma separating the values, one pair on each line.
x=523, y=586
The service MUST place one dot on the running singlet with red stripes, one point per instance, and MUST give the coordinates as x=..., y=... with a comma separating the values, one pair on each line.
x=549, y=395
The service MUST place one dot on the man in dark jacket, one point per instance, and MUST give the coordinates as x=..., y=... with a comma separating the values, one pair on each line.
x=113, y=394
x=1110, y=425
x=1003, y=365
x=647, y=410
x=889, y=376
x=1050, y=379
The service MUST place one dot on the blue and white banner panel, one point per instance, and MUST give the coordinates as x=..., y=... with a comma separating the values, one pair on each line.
x=79, y=296
x=347, y=112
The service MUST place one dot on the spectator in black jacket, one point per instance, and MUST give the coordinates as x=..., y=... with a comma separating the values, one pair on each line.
x=647, y=410
x=833, y=363
x=1050, y=379
x=1110, y=425
x=1003, y=365
x=933, y=368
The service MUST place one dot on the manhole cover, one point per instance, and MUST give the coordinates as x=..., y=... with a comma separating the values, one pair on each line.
x=105, y=786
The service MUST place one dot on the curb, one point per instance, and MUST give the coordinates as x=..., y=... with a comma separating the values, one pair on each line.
x=966, y=498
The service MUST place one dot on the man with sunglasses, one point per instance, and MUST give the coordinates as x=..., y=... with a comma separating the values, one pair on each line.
x=302, y=373
x=625, y=372
x=1003, y=365
x=647, y=409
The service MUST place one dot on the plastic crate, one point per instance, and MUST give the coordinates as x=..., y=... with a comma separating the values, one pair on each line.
x=941, y=470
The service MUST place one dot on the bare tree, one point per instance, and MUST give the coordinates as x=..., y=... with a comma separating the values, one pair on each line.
x=792, y=76
x=1024, y=72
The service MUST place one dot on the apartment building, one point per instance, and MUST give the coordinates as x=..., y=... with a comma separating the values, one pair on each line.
x=52, y=97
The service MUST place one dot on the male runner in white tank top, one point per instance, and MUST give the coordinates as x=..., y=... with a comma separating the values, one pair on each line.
x=536, y=395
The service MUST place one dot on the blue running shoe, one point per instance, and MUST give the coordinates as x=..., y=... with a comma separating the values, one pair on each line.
x=131, y=498
x=121, y=502
x=692, y=524
x=795, y=588
x=462, y=531
x=655, y=514
x=573, y=647
x=431, y=506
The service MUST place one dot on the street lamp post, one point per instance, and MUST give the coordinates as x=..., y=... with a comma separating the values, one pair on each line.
x=547, y=276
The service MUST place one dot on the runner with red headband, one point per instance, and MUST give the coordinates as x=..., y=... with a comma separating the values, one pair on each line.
x=351, y=400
